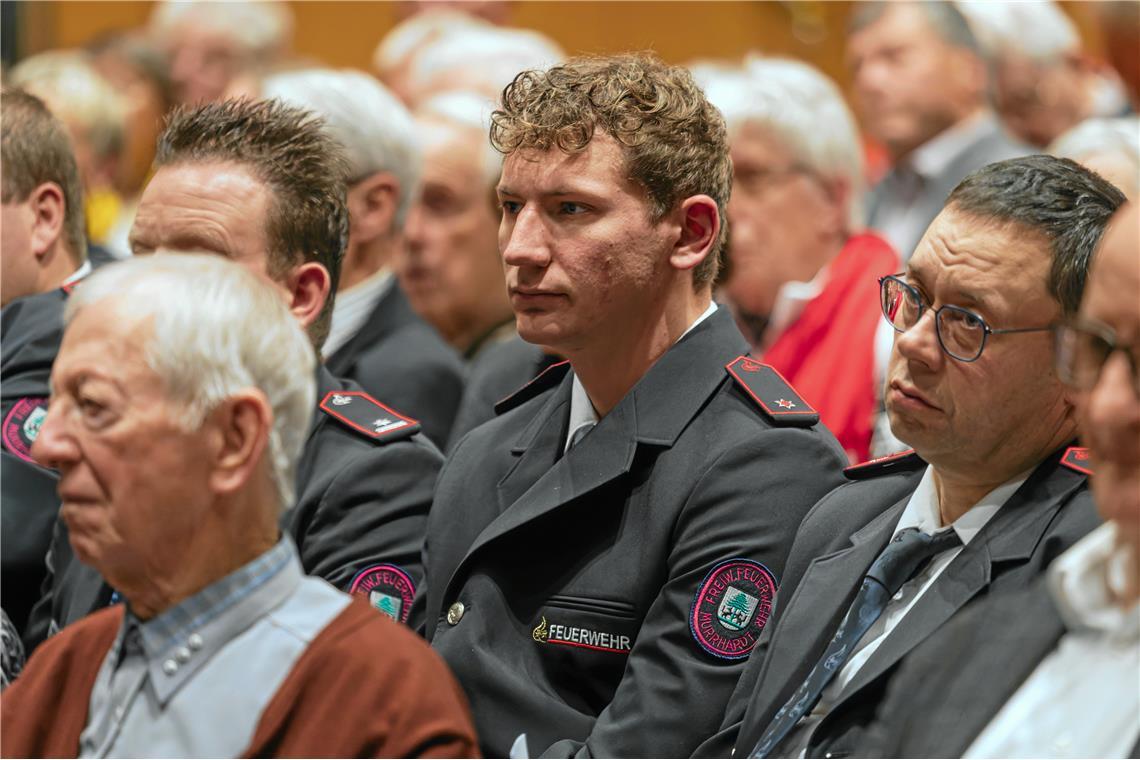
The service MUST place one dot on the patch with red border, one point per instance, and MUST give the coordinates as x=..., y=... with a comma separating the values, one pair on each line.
x=22, y=425
x=364, y=414
x=387, y=588
x=771, y=392
x=731, y=608
x=1077, y=458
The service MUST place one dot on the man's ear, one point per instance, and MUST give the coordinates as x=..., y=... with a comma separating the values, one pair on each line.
x=242, y=423
x=308, y=285
x=372, y=206
x=48, y=211
x=700, y=225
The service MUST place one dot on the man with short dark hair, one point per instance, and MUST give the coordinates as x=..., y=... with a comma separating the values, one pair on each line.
x=263, y=184
x=993, y=490
x=920, y=88
x=602, y=556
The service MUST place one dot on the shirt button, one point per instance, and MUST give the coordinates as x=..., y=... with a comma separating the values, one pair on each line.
x=182, y=654
x=194, y=642
x=170, y=667
x=455, y=613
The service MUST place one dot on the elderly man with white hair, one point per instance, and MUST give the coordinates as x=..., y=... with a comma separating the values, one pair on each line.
x=376, y=338
x=176, y=424
x=802, y=272
x=1110, y=147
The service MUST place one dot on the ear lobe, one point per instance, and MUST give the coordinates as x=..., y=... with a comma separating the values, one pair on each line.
x=308, y=285
x=48, y=210
x=244, y=422
x=700, y=226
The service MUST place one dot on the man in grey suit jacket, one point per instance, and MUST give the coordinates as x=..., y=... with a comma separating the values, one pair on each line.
x=920, y=87
x=971, y=386
x=1059, y=663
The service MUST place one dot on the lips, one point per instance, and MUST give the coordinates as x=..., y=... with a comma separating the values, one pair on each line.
x=912, y=394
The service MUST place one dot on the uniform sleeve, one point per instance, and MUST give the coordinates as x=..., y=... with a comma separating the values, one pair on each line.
x=746, y=505
x=373, y=513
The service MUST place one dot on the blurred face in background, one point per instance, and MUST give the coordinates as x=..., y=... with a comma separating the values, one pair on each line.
x=785, y=220
x=203, y=62
x=909, y=84
x=1037, y=103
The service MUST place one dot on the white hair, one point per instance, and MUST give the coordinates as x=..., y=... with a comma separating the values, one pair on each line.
x=1119, y=137
x=263, y=29
x=376, y=130
x=217, y=329
x=802, y=108
x=1038, y=29
x=402, y=42
x=471, y=111
x=77, y=94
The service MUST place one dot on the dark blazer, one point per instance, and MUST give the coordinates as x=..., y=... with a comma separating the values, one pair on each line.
x=361, y=508
x=581, y=577
x=835, y=547
x=399, y=358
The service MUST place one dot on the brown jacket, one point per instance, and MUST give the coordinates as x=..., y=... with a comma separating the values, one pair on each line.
x=365, y=687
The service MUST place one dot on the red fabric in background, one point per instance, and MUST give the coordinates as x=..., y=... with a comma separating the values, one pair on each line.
x=828, y=352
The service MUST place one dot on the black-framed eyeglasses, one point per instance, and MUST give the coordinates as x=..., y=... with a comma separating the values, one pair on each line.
x=961, y=333
x=1084, y=347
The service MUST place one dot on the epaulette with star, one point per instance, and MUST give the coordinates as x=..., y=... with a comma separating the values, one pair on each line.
x=363, y=414
x=903, y=461
x=771, y=393
x=548, y=378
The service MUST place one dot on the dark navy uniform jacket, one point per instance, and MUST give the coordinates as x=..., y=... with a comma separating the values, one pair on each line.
x=604, y=602
x=359, y=519
x=835, y=547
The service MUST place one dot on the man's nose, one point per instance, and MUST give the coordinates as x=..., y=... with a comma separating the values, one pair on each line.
x=524, y=240
x=54, y=446
x=919, y=343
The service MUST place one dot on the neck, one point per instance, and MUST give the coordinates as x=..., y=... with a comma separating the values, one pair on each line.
x=1128, y=540
x=474, y=331
x=900, y=152
x=611, y=368
x=58, y=266
x=213, y=552
x=364, y=260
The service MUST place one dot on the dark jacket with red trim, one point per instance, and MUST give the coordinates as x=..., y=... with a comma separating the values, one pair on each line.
x=591, y=583
x=399, y=358
x=835, y=546
x=362, y=505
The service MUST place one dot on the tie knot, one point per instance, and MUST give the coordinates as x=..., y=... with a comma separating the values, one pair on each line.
x=908, y=551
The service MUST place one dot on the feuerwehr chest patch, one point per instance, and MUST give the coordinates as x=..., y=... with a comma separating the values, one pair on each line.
x=731, y=607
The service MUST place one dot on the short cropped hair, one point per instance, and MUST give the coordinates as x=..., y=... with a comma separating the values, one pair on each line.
x=373, y=126
x=1058, y=199
x=943, y=17
x=675, y=142
x=36, y=149
x=217, y=328
x=289, y=150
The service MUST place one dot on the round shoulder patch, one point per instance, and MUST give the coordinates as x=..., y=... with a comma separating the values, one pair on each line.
x=387, y=588
x=22, y=425
x=731, y=607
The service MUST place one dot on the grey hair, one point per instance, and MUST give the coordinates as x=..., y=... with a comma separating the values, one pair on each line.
x=471, y=111
x=1039, y=29
x=375, y=129
x=943, y=17
x=263, y=29
x=1119, y=137
x=803, y=108
x=217, y=329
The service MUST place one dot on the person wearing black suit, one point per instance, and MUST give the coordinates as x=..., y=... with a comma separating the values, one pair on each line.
x=1053, y=671
x=995, y=483
x=601, y=557
x=375, y=338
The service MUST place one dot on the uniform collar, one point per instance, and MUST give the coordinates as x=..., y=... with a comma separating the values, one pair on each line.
x=922, y=510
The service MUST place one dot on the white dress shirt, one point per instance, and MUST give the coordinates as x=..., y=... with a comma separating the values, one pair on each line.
x=1083, y=700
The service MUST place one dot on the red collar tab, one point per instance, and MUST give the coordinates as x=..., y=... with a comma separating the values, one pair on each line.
x=1077, y=458
x=548, y=378
x=367, y=416
x=772, y=393
x=903, y=460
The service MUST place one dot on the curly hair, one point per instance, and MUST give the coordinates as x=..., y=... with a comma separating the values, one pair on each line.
x=289, y=150
x=675, y=142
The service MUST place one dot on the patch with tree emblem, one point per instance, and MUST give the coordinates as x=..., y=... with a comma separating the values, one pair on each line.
x=731, y=607
x=387, y=588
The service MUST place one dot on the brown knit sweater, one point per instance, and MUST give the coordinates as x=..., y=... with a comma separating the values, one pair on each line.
x=365, y=687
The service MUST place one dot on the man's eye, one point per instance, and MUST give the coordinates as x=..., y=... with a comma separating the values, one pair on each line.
x=511, y=207
x=92, y=410
x=571, y=209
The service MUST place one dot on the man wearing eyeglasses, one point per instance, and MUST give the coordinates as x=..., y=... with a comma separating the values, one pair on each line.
x=994, y=489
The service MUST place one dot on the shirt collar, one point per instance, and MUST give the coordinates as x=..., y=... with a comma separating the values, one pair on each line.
x=922, y=511
x=182, y=639
x=791, y=299
x=1084, y=580
x=582, y=412
x=935, y=155
x=79, y=274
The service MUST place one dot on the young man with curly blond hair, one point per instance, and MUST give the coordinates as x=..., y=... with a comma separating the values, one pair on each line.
x=602, y=556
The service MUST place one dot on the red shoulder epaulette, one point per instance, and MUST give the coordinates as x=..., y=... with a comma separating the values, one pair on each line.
x=903, y=460
x=771, y=392
x=360, y=412
x=1077, y=458
x=548, y=378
